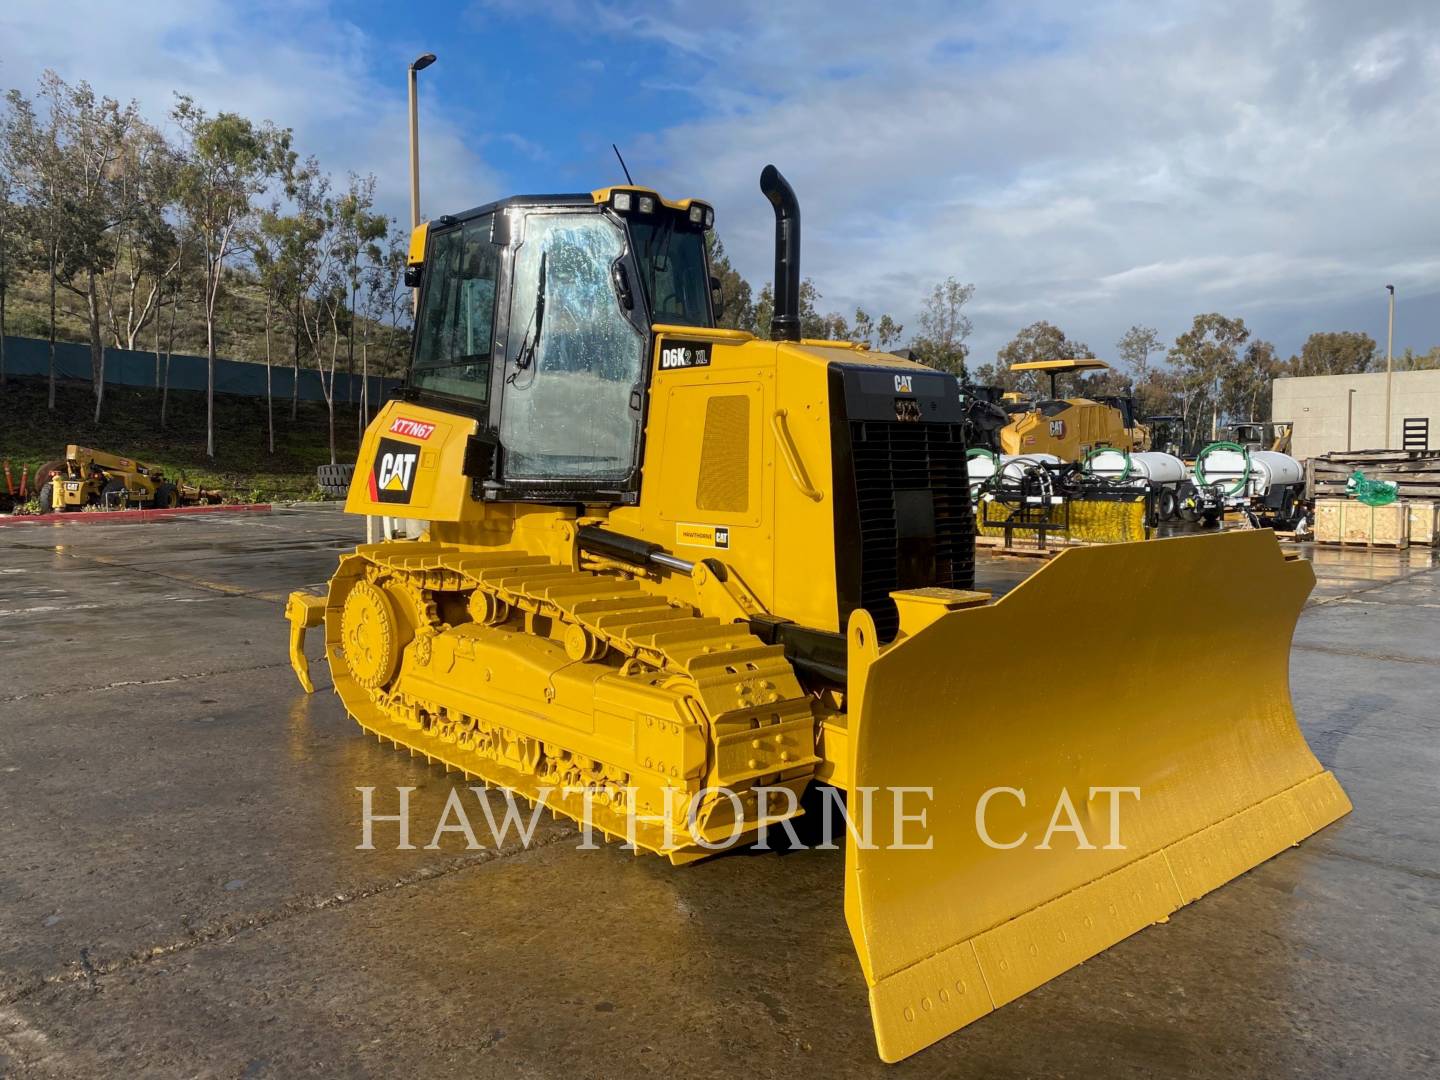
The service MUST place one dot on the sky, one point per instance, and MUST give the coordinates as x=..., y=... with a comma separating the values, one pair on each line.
x=1095, y=165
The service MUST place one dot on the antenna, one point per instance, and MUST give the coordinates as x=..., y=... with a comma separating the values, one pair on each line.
x=622, y=163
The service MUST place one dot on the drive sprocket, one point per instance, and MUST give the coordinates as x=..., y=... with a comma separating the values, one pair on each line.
x=369, y=634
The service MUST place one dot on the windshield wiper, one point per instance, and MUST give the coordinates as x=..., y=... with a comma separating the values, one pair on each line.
x=526, y=356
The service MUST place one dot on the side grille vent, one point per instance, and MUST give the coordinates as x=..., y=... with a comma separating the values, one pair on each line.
x=917, y=527
x=724, y=482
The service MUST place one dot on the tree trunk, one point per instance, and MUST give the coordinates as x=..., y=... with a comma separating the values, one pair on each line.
x=350, y=363
x=54, y=254
x=330, y=397
x=364, y=381
x=97, y=345
x=209, y=379
x=295, y=385
x=157, y=349
x=269, y=401
x=169, y=351
x=4, y=240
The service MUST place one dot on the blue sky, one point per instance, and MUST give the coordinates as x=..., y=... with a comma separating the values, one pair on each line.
x=1096, y=165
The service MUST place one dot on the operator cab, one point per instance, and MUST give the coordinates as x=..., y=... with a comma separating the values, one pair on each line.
x=535, y=317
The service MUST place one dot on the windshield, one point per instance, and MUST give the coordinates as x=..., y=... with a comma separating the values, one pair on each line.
x=568, y=412
x=673, y=270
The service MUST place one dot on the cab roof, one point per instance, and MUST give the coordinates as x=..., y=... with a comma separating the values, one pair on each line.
x=1088, y=363
x=575, y=198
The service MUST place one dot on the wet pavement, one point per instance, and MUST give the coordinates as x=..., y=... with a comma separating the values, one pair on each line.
x=181, y=894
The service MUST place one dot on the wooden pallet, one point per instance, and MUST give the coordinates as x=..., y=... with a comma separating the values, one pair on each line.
x=1416, y=473
x=1390, y=545
x=995, y=545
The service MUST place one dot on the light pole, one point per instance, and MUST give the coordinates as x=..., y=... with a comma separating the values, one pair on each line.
x=374, y=527
x=1389, y=362
x=1349, y=417
x=420, y=63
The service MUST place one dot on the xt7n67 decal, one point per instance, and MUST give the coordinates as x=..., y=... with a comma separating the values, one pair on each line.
x=392, y=477
x=415, y=429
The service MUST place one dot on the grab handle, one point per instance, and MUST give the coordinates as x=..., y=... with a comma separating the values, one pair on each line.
x=791, y=455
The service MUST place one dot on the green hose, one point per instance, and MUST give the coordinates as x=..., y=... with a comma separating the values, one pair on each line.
x=978, y=452
x=1124, y=473
x=1200, y=466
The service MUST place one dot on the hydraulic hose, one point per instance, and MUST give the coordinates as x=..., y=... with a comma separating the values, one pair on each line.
x=1244, y=475
x=1124, y=473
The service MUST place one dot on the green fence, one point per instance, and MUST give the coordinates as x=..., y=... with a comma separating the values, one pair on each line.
x=124, y=367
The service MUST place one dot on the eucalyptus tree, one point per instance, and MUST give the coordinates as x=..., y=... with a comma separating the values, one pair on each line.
x=361, y=232
x=944, y=326
x=31, y=155
x=227, y=162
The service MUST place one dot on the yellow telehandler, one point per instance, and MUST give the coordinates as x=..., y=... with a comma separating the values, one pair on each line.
x=96, y=479
x=674, y=574
x=106, y=481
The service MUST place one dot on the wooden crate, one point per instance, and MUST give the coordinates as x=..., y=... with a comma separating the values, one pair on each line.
x=1424, y=519
x=1327, y=520
x=1346, y=521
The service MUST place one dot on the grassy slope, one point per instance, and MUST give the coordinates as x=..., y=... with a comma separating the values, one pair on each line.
x=130, y=425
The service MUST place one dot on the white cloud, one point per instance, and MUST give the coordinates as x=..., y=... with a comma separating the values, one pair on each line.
x=1092, y=164
x=295, y=63
x=1130, y=167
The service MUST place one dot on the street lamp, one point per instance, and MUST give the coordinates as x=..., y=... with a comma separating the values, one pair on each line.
x=1389, y=362
x=420, y=63
x=375, y=526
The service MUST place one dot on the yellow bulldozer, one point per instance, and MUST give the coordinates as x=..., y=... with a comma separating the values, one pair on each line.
x=674, y=575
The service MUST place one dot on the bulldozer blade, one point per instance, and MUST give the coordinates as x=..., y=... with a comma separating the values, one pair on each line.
x=1106, y=743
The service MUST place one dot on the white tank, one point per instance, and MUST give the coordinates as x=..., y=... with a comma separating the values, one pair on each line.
x=980, y=465
x=1151, y=465
x=1273, y=469
x=1268, y=469
x=1013, y=466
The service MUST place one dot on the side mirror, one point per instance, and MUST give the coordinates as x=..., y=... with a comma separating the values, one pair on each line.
x=715, y=301
x=621, y=281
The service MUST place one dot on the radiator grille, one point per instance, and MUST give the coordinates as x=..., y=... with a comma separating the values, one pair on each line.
x=725, y=455
x=891, y=459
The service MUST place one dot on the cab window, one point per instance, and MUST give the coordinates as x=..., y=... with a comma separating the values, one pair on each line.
x=673, y=269
x=457, y=319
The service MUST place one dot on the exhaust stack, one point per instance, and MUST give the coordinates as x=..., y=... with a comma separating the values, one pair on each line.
x=785, y=324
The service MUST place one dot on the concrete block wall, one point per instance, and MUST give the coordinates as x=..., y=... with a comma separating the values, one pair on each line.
x=1328, y=417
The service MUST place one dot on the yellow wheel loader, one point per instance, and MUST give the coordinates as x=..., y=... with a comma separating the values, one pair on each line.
x=673, y=575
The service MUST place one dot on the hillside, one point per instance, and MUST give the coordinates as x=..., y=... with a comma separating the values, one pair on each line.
x=31, y=435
